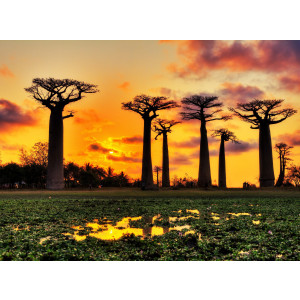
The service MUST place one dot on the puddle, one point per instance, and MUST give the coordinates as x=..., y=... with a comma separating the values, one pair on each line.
x=18, y=228
x=107, y=231
x=239, y=214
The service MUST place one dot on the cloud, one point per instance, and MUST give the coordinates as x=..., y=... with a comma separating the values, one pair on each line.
x=180, y=159
x=236, y=92
x=242, y=147
x=290, y=82
x=129, y=140
x=124, y=86
x=12, y=115
x=6, y=72
x=199, y=57
x=193, y=142
x=124, y=158
x=97, y=147
x=291, y=139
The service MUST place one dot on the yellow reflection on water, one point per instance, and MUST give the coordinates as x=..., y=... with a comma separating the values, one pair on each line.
x=239, y=214
x=114, y=232
x=18, y=228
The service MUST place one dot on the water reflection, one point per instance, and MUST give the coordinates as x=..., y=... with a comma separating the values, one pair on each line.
x=107, y=231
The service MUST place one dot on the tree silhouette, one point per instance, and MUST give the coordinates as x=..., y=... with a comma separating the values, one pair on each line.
x=157, y=169
x=226, y=136
x=205, y=109
x=284, y=151
x=164, y=127
x=147, y=107
x=55, y=94
x=38, y=155
x=294, y=175
x=261, y=114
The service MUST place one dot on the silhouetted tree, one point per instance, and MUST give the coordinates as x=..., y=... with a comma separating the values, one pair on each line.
x=11, y=174
x=55, y=94
x=294, y=175
x=91, y=176
x=205, y=109
x=122, y=180
x=226, y=136
x=284, y=151
x=164, y=127
x=261, y=114
x=157, y=169
x=34, y=163
x=38, y=155
x=72, y=174
x=147, y=107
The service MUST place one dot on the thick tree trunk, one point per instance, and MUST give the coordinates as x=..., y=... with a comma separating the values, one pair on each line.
x=222, y=165
x=147, y=174
x=165, y=164
x=266, y=176
x=55, y=171
x=204, y=179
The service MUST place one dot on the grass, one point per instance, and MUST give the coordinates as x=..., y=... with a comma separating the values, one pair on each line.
x=33, y=224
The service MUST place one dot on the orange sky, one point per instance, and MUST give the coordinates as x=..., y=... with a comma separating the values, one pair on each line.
x=105, y=135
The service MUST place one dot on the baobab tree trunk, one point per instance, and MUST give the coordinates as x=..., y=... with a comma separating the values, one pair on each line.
x=147, y=175
x=165, y=164
x=222, y=165
x=204, y=179
x=55, y=171
x=266, y=168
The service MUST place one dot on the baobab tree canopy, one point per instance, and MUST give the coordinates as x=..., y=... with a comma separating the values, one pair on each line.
x=199, y=107
x=161, y=126
x=261, y=114
x=226, y=135
x=53, y=93
x=258, y=111
x=147, y=107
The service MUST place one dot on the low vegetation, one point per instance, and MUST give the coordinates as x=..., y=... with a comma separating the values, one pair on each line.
x=189, y=225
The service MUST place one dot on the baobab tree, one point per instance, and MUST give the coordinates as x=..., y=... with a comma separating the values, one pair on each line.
x=226, y=136
x=55, y=94
x=147, y=107
x=284, y=151
x=205, y=109
x=164, y=127
x=157, y=170
x=261, y=114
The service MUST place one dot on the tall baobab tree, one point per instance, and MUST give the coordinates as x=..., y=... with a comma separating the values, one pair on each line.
x=164, y=127
x=261, y=114
x=55, y=94
x=226, y=136
x=147, y=107
x=284, y=151
x=205, y=109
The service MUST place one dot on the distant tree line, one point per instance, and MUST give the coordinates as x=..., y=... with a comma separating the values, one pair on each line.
x=31, y=172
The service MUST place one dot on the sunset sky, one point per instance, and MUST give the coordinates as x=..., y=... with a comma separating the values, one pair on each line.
x=105, y=135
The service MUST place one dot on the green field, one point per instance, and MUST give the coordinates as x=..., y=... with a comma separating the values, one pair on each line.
x=129, y=224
